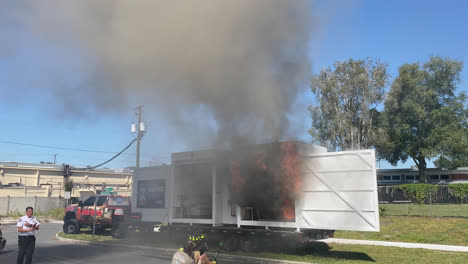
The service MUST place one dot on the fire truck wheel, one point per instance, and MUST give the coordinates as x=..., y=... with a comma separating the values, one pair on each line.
x=71, y=226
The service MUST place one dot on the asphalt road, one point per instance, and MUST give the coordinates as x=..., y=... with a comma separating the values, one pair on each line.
x=51, y=250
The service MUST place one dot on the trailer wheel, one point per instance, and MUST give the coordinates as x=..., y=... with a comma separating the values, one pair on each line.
x=232, y=244
x=317, y=246
x=146, y=229
x=118, y=231
x=249, y=244
x=71, y=226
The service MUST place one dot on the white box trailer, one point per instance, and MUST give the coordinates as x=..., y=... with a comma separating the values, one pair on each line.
x=337, y=191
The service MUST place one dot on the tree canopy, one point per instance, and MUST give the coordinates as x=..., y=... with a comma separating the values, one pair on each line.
x=454, y=148
x=424, y=118
x=346, y=103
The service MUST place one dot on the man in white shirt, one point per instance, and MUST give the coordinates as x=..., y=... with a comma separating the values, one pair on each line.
x=26, y=240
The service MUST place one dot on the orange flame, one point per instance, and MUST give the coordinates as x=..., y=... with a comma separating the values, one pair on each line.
x=290, y=163
x=290, y=177
x=237, y=180
x=261, y=164
x=288, y=210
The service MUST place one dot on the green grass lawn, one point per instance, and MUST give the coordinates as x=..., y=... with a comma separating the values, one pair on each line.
x=86, y=234
x=369, y=254
x=433, y=230
x=338, y=253
x=435, y=210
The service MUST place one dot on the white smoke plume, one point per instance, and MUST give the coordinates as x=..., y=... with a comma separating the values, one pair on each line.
x=235, y=66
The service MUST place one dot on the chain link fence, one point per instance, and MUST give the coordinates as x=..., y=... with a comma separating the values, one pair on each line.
x=431, y=201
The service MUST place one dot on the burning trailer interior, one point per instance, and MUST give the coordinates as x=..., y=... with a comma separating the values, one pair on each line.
x=264, y=181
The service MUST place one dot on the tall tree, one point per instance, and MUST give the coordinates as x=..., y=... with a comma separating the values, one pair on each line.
x=424, y=117
x=454, y=147
x=454, y=151
x=347, y=98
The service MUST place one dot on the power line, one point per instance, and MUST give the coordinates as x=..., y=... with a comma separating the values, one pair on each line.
x=118, y=154
x=52, y=147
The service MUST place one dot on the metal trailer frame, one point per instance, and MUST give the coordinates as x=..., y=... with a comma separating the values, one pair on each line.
x=339, y=192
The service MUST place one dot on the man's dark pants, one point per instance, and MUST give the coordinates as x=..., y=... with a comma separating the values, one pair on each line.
x=26, y=246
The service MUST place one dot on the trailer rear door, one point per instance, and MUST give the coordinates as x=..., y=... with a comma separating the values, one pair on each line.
x=339, y=192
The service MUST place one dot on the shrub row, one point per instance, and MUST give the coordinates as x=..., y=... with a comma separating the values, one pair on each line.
x=421, y=193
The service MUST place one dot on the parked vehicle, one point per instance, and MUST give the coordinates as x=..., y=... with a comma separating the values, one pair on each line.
x=109, y=211
x=264, y=195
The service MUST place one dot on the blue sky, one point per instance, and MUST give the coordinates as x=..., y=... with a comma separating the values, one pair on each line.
x=396, y=32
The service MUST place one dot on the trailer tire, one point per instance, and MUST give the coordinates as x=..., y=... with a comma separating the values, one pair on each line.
x=118, y=231
x=232, y=244
x=71, y=226
x=248, y=244
x=146, y=229
x=318, y=246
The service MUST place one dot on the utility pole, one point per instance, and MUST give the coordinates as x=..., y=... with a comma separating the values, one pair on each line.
x=138, y=137
x=55, y=157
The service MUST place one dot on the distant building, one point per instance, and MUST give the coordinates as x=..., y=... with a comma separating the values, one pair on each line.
x=19, y=179
x=435, y=176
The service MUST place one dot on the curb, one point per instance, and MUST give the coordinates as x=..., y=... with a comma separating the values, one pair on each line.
x=165, y=253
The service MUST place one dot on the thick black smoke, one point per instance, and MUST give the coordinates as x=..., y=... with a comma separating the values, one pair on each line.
x=234, y=66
